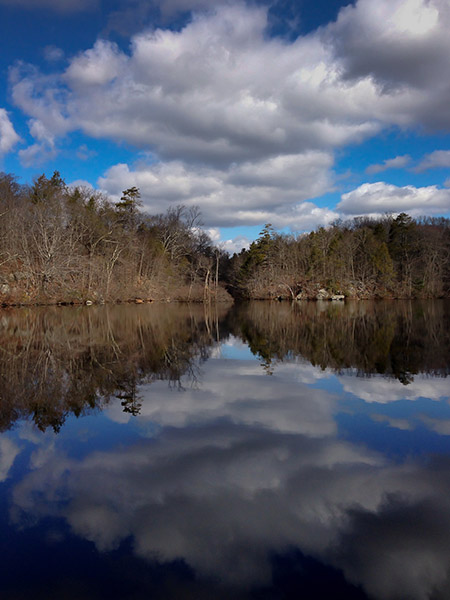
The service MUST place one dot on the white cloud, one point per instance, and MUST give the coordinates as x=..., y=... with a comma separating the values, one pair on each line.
x=392, y=163
x=214, y=233
x=98, y=66
x=8, y=136
x=37, y=154
x=81, y=183
x=273, y=190
x=439, y=159
x=233, y=115
x=379, y=198
x=236, y=244
x=403, y=46
x=219, y=91
x=38, y=97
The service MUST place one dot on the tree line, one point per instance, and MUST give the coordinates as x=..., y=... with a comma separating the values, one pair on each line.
x=388, y=257
x=65, y=244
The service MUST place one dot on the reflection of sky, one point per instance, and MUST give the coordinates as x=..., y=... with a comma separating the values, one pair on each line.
x=237, y=464
x=235, y=349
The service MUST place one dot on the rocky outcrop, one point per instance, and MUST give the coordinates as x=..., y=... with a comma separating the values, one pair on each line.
x=322, y=294
x=317, y=293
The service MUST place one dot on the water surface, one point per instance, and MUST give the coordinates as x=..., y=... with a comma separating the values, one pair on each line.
x=266, y=450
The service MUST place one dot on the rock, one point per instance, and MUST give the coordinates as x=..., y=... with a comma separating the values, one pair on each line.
x=138, y=301
x=322, y=294
x=338, y=297
x=4, y=289
x=301, y=296
x=89, y=303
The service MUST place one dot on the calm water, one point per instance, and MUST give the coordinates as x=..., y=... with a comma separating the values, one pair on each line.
x=263, y=451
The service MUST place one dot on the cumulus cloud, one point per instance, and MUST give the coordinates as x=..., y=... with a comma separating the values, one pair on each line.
x=81, y=183
x=37, y=154
x=235, y=245
x=229, y=245
x=439, y=159
x=399, y=162
x=40, y=98
x=8, y=136
x=403, y=46
x=379, y=198
x=272, y=190
x=218, y=91
x=223, y=101
x=96, y=67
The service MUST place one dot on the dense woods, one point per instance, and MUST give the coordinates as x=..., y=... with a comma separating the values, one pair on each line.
x=363, y=258
x=64, y=244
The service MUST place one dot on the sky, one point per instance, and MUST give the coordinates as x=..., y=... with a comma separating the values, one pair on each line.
x=294, y=113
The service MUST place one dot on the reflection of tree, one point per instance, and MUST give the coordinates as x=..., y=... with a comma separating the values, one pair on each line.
x=56, y=362
x=131, y=401
x=397, y=339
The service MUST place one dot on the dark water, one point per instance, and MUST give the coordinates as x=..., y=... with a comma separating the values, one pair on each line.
x=258, y=452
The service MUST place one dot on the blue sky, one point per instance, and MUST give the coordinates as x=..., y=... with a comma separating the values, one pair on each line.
x=289, y=112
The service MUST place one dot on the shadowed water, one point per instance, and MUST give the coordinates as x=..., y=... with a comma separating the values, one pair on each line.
x=266, y=450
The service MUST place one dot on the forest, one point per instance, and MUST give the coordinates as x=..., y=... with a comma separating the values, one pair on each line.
x=61, y=244
x=389, y=257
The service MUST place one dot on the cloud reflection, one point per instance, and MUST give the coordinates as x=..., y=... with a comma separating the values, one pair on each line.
x=241, y=392
x=240, y=469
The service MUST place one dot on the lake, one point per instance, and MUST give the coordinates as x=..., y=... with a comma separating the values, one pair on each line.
x=261, y=451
